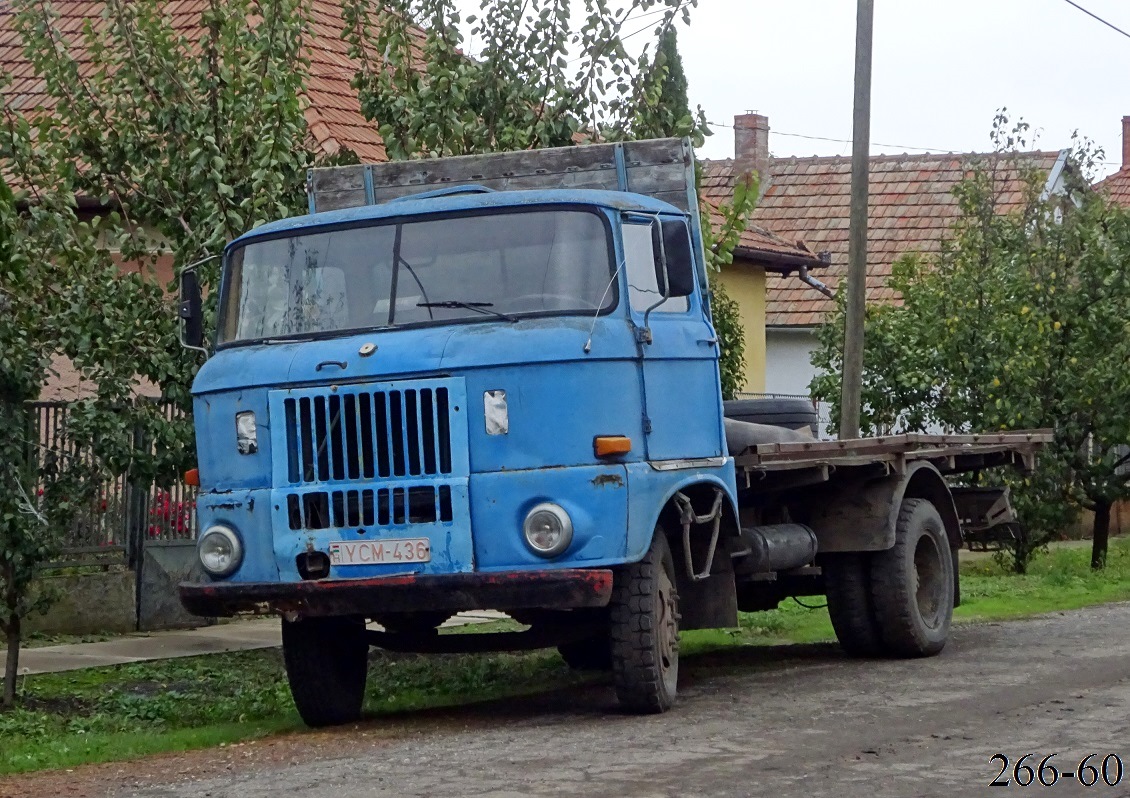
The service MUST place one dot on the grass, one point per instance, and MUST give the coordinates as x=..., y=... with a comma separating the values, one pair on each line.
x=126, y=711
x=1060, y=579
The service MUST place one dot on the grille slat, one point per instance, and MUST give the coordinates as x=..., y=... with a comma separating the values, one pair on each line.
x=380, y=433
x=306, y=440
x=412, y=431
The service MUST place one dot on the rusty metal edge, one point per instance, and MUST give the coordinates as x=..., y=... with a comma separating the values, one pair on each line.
x=556, y=589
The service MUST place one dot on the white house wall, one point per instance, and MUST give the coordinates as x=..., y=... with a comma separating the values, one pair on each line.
x=788, y=351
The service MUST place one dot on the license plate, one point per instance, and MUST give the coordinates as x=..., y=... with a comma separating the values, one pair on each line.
x=380, y=552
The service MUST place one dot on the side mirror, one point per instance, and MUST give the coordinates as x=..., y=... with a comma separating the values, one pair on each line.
x=191, y=310
x=680, y=272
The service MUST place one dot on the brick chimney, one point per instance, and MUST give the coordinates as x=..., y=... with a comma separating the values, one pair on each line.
x=751, y=146
x=1126, y=142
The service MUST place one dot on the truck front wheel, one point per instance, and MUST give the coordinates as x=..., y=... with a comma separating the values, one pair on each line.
x=644, y=614
x=912, y=584
x=326, y=663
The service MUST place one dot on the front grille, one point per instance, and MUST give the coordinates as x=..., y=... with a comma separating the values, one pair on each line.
x=368, y=434
x=359, y=459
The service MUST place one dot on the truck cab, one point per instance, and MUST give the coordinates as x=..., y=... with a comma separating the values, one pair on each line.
x=433, y=370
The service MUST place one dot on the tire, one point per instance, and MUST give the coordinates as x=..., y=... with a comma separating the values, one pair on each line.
x=644, y=614
x=794, y=414
x=326, y=665
x=590, y=654
x=847, y=583
x=912, y=584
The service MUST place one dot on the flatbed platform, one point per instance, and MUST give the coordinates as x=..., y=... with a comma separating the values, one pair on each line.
x=761, y=466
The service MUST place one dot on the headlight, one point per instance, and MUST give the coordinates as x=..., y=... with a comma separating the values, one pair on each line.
x=220, y=551
x=548, y=529
x=246, y=432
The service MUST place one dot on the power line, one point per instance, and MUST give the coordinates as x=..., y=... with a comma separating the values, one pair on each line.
x=630, y=35
x=1096, y=16
x=843, y=141
x=873, y=144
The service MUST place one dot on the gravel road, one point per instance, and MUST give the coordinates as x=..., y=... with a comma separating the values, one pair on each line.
x=787, y=721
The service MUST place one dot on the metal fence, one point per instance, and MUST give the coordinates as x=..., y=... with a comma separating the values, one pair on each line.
x=121, y=512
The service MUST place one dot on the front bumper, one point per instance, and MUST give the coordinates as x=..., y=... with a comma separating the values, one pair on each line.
x=508, y=590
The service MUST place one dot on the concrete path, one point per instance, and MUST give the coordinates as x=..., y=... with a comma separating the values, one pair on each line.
x=235, y=636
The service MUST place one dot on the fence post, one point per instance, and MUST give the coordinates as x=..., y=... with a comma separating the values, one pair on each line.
x=137, y=515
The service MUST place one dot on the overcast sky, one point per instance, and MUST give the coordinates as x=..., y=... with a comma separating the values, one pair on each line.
x=940, y=71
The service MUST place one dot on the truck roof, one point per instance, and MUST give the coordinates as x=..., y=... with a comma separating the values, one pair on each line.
x=465, y=201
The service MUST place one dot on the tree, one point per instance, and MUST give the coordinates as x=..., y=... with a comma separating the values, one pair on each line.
x=185, y=141
x=60, y=293
x=529, y=76
x=670, y=114
x=1019, y=321
x=21, y=360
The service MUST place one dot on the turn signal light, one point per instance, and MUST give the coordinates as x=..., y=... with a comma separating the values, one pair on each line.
x=192, y=477
x=608, y=445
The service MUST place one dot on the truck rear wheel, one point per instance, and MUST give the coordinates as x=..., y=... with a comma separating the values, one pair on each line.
x=645, y=631
x=847, y=583
x=326, y=664
x=912, y=584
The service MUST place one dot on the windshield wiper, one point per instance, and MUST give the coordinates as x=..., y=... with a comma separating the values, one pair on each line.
x=478, y=307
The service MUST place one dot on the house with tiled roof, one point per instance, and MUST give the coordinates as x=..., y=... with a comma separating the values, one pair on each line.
x=333, y=115
x=807, y=200
x=1117, y=186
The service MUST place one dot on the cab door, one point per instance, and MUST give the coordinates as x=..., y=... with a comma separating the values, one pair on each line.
x=677, y=345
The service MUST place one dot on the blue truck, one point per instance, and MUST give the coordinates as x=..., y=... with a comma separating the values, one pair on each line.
x=492, y=382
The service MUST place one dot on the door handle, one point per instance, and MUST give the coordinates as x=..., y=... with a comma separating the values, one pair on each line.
x=708, y=341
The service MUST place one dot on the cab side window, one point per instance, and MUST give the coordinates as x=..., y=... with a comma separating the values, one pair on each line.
x=642, y=266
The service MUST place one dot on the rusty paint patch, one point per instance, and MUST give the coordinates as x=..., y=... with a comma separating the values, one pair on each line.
x=223, y=505
x=603, y=480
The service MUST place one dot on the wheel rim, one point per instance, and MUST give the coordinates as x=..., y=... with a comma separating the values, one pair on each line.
x=667, y=637
x=930, y=581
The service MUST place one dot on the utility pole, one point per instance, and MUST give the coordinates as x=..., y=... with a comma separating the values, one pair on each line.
x=852, y=384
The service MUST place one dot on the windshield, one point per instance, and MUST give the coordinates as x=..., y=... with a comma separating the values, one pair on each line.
x=487, y=266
